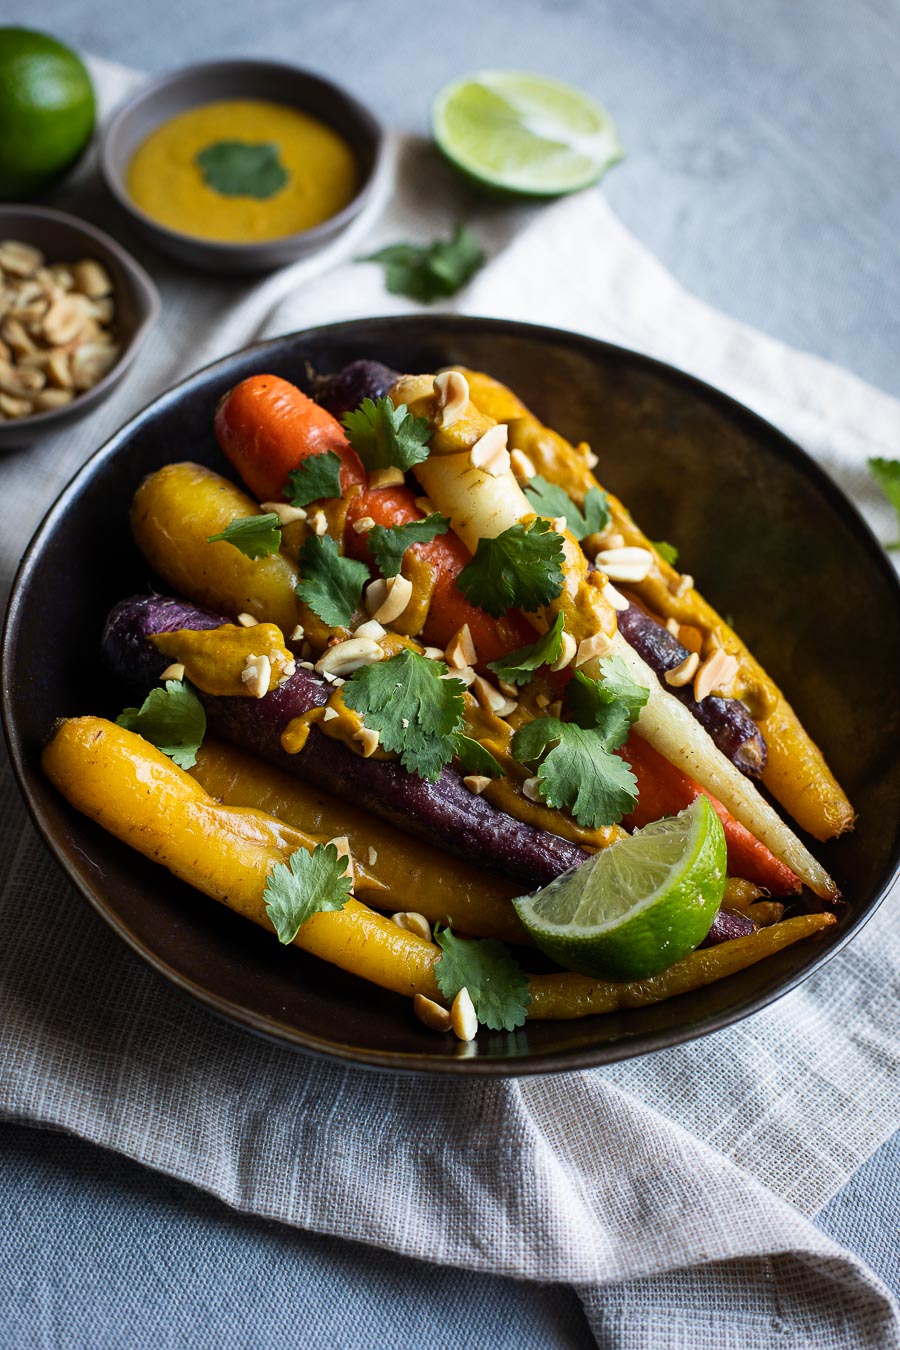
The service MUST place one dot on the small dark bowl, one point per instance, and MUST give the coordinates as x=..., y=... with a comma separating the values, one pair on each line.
x=771, y=539
x=65, y=238
x=164, y=98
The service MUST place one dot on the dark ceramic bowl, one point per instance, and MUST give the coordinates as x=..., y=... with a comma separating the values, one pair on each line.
x=65, y=238
x=165, y=98
x=771, y=539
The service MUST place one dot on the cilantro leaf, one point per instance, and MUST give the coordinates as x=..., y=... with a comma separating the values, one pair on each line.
x=496, y=982
x=668, y=552
x=173, y=719
x=308, y=884
x=427, y=272
x=519, y=666
x=388, y=543
x=474, y=758
x=330, y=584
x=522, y=567
x=577, y=771
x=255, y=536
x=318, y=476
x=548, y=499
x=415, y=712
x=385, y=436
x=243, y=169
x=586, y=698
x=886, y=473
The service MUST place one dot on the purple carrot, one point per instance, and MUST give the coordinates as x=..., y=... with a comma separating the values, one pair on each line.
x=726, y=925
x=726, y=719
x=344, y=391
x=444, y=813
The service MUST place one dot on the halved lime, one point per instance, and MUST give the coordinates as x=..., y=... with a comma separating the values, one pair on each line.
x=524, y=133
x=637, y=906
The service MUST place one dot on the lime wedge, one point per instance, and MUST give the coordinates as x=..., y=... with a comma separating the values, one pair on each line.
x=524, y=133
x=637, y=906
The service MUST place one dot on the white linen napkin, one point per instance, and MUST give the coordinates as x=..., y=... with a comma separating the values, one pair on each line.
x=667, y=1188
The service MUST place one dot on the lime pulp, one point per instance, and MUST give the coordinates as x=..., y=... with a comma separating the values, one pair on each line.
x=524, y=133
x=638, y=906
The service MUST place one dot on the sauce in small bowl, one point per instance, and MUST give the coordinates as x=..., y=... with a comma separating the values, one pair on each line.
x=242, y=170
x=242, y=166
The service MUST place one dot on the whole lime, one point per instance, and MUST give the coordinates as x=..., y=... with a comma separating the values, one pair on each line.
x=47, y=110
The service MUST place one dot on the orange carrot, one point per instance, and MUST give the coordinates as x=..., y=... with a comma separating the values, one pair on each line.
x=267, y=426
x=665, y=790
x=447, y=555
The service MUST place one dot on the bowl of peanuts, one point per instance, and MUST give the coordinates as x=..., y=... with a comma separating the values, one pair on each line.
x=75, y=309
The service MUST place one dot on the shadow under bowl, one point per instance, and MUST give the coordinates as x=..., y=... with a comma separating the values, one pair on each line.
x=274, y=82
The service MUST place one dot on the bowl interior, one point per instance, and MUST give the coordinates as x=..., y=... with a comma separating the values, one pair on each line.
x=771, y=541
x=190, y=88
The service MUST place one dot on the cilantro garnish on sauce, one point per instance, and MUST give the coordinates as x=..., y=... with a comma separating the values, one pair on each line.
x=496, y=982
x=668, y=552
x=519, y=666
x=576, y=768
x=428, y=272
x=886, y=473
x=243, y=169
x=255, y=536
x=520, y=568
x=308, y=884
x=173, y=719
x=388, y=543
x=474, y=758
x=330, y=584
x=415, y=711
x=384, y=436
x=548, y=499
x=317, y=477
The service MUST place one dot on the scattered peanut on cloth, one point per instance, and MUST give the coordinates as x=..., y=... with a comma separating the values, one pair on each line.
x=57, y=329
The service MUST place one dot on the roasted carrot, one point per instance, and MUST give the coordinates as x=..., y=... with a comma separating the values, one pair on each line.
x=266, y=426
x=665, y=790
x=446, y=555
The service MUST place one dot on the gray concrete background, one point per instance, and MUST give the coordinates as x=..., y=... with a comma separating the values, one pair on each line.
x=762, y=138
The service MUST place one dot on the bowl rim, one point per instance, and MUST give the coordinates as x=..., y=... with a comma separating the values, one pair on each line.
x=323, y=232
x=540, y=1062
x=143, y=284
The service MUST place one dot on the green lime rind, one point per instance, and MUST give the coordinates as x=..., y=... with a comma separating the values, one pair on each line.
x=47, y=111
x=638, y=906
x=523, y=134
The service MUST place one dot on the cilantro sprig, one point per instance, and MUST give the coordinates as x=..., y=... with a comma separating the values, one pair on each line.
x=475, y=758
x=415, y=711
x=330, y=584
x=255, y=536
x=576, y=767
x=432, y=271
x=171, y=718
x=308, y=884
x=522, y=567
x=388, y=543
x=668, y=552
x=317, y=477
x=548, y=499
x=496, y=982
x=384, y=436
x=886, y=473
x=243, y=168
x=519, y=666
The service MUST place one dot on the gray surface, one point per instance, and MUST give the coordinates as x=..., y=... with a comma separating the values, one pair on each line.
x=761, y=139
x=761, y=169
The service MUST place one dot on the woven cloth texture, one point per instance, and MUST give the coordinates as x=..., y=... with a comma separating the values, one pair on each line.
x=669, y=1191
